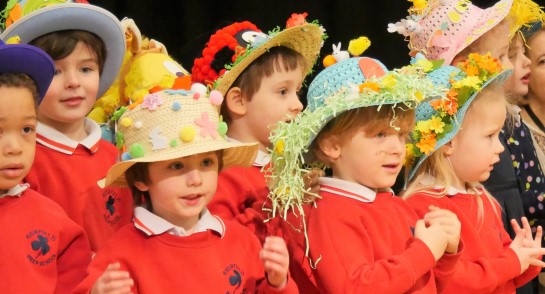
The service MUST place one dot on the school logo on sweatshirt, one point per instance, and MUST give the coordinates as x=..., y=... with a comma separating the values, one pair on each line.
x=42, y=247
x=235, y=275
x=111, y=202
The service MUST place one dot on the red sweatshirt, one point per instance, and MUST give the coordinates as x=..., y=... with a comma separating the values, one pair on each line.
x=204, y=262
x=366, y=244
x=68, y=171
x=487, y=264
x=43, y=251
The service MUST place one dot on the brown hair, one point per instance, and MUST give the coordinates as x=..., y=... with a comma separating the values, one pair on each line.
x=60, y=44
x=371, y=120
x=279, y=58
x=19, y=80
x=139, y=172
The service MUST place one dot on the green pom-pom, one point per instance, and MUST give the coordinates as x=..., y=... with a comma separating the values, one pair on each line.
x=119, y=140
x=173, y=143
x=136, y=150
x=222, y=128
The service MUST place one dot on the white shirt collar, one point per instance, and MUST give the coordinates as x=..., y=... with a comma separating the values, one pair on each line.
x=56, y=140
x=16, y=191
x=450, y=190
x=348, y=189
x=152, y=224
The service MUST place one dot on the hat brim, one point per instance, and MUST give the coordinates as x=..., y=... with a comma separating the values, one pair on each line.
x=29, y=60
x=234, y=154
x=501, y=77
x=305, y=39
x=76, y=16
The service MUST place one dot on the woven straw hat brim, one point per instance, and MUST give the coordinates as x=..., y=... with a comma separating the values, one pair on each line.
x=501, y=77
x=305, y=39
x=76, y=16
x=235, y=154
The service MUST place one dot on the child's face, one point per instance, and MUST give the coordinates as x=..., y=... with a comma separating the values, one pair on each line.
x=73, y=90
x=276, y=100
x=476, y=147
x=536, y=53
x=181, y=188
x=517, y=83
x=17, y=135
x=372, y=161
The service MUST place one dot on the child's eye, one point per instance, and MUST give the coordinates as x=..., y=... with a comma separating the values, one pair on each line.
x=283, y=92
x=57, y=72
x=381, y=134
x=27, y=130
x=176, y=166
x=207, y=162
x=86, y=69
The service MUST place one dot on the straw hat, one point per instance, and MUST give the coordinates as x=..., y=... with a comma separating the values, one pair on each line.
x=443, y=28
x=29, y=60
x=172, y=124
x=39, y=20
x=233, y=48
x=464, y=84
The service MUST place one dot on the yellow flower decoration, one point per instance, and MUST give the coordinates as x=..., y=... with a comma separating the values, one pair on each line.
x=279, y=147
x=427, y=143
x=389, y=81
x=425, y=64
x=436, y=124
x=473, y=82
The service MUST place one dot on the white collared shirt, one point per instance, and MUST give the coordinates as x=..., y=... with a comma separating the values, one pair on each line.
x=16, y=191
x=56, y=140
x=348, y=189
x=152, y=224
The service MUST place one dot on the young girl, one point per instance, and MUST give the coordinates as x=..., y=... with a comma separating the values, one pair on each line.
x=175, y=146
x=361, y=238
x=455, y=145
x=87, y=44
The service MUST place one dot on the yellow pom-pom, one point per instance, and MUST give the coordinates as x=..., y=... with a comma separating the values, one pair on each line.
x=187, y=134
x=329, y=60
x=14, y=40
x=279, y=147
x=357, y=46
x=126, y=122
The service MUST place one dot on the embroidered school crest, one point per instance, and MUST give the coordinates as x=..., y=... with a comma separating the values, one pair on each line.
x=111, y=206
x=235, y=276
x=42, y=249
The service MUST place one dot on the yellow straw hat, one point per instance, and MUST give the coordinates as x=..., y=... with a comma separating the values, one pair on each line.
x=172, y=124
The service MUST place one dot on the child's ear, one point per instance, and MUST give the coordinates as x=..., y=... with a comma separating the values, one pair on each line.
x=236, y=104
x=141, y=186
x=330, y=147
x=448, y=149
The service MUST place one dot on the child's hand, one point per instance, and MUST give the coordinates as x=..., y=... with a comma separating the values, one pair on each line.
x=275, y=260
x=311, y=180
x=528, y=240
x=450, y=224
x=113, y=281
x=527, y=255
x=433, y=236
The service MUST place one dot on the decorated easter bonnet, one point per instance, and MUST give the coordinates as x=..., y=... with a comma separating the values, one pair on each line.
x=440, y=29
x=170, y=124
x=291, y=158
x=21, y=58
x=233, y=48
x=439, y=120
x=28, y=20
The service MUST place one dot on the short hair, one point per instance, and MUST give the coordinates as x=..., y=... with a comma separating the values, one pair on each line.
x=139, y=172
x=371, y=120
x=275, y=59
x=60, y=44
x=20, y=80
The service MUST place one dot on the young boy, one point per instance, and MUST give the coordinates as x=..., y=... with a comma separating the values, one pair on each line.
x=176, y=146
x=87, y=44
x=361, y=238
x=42, y=249
x=261, y=89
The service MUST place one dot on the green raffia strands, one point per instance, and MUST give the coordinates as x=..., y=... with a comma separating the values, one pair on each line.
x=290, y=141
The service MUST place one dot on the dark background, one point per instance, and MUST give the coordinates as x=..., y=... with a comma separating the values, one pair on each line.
x=185, y=26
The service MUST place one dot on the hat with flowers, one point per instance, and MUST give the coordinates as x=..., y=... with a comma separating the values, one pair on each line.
x=26, y=20
x=291, y=159
x=439, y=120
x=171, y=124
x=440, y=29
x=233, y=48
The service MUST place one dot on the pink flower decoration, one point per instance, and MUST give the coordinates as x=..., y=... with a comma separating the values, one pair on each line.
x=207, y=127
x=152, y=101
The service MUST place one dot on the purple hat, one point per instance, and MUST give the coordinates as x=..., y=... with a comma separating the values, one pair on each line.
x=30, y=60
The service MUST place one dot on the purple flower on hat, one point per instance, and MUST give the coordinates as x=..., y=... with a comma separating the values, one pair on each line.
x=207, y=127
x=152, y=101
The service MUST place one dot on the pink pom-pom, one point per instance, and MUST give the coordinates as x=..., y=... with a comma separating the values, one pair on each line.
x=196, y=96
x=215, y=97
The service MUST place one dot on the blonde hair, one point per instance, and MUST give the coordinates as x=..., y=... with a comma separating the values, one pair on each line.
x=438, y=167
x=371, y=120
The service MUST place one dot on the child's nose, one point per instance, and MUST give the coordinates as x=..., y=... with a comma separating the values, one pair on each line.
x=12, y=146
x=71, y=79
x=194, y=178
x=296, y=105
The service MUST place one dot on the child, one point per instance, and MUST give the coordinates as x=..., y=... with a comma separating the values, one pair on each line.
x=87, y=44
x=261, y=89
x=176, y=146
x=361, y=237
x=42, y=249
x=455, y=145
